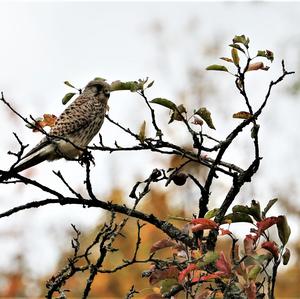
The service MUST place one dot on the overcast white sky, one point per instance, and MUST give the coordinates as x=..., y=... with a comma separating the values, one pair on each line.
x=44, y=44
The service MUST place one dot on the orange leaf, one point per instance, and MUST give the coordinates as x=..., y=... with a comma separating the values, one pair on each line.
x=223, y=264
x=186, y=271
x=272, y=247
x=164, y=243
x=50, y=119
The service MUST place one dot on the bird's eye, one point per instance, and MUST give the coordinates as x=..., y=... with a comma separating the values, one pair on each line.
x=99, y=88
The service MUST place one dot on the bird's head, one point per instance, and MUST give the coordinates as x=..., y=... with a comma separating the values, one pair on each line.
x=98, y=87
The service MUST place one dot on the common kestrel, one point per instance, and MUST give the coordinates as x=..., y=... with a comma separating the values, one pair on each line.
x=74, y=128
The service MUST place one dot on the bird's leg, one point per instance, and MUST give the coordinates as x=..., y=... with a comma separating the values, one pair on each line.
x=86, y=157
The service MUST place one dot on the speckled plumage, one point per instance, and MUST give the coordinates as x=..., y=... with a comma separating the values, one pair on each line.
x=77, y=125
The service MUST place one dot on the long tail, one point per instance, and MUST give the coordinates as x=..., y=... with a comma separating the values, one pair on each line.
x=28, y=161
x=31, y=161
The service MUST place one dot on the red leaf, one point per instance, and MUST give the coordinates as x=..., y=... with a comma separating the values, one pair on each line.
x=265, y=224
x=203, y=223
x=251, y=290
x=223, y=264
x=249, y=244
x=272, y=247
x=186, y=271
x=208, y=277
x=164, y=243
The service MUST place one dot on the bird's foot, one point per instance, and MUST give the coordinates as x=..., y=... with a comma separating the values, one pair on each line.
x=86, y=158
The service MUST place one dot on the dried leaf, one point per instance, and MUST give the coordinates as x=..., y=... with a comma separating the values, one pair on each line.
x=235, y=56
x=197, y=121
x=164, y=243
x=142, y=132
x=50, y=119
x=256, y=66
x=242, y=115
x=226, y=59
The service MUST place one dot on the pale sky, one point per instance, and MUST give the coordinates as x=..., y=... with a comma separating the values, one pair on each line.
x=44, y=44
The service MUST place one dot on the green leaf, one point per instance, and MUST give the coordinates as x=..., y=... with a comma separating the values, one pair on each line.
x=237, y=217
x=100, y=78
x=266, y=53
x=69, y=84
x=254, y=130
x=150, y=84
x=286, y=256
x=177, y=114
x=241, y=39
x=164, y=102
x=238, y=47
x=269, y=206
x=253, y=272
x=254, y=210
x=167, y=284
x=212, y=213
x=67, y=97
x=217, y=67
x=206, y=116
x=209, y=258
x=284, y=230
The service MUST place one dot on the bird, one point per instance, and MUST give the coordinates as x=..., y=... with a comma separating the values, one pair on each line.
x=74, y=128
